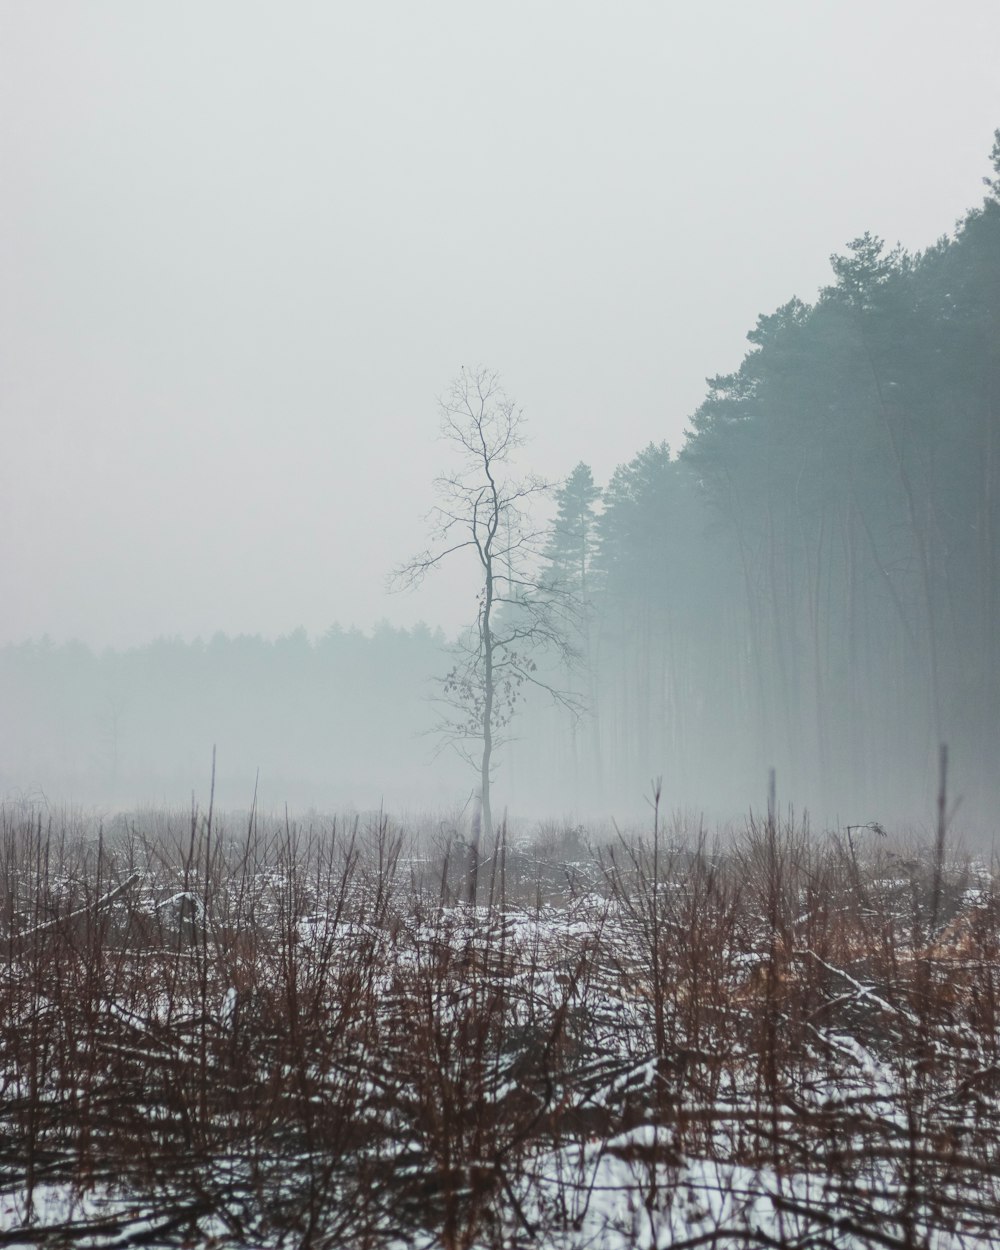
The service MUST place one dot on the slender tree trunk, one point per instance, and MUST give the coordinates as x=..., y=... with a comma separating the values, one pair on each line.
x=821, y=711
x=474, y=844
x=920, y=541
x=484, y=823
x=489, y=694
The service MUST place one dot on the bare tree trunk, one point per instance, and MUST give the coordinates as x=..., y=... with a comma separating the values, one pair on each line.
x=474, y=844
x=489, y=679
x=484, y=821
x=920, y=542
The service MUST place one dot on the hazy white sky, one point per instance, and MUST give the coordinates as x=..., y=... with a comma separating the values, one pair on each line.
x=244, y=246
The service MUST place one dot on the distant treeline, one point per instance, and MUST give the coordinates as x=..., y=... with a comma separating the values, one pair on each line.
x=333, y=721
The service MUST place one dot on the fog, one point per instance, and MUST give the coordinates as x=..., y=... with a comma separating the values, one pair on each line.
x=244, y=249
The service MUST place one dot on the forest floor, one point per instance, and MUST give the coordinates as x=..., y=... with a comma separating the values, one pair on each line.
x=281, y=1034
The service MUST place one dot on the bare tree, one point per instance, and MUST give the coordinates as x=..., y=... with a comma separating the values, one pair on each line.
x=484, y=510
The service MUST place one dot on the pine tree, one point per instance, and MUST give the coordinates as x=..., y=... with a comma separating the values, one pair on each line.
x=571, y=546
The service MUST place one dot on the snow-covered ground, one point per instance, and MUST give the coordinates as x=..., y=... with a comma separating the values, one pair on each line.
x=301, y=1038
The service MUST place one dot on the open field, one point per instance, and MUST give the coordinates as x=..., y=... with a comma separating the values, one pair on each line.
x=260, y=1033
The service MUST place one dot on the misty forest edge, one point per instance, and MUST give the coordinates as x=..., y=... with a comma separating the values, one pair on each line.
x=811, y=585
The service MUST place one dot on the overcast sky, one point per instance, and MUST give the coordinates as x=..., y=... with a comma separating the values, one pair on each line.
x=244, y=246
